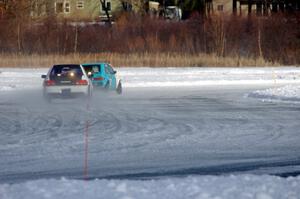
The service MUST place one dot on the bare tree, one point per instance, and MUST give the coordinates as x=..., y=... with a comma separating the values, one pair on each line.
x=126, y=5
x=18, y=13
x=138, y=6
x=106, y=10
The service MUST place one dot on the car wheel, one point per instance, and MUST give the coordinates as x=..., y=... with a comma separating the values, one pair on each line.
x=119, y=88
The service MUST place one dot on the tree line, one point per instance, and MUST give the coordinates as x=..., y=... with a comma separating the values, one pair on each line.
x=276, y=39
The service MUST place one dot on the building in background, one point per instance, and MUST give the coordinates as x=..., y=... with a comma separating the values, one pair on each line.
x=101, y=10
x=98, y=10
x=264, y=7
x=78, y=10
x=222, y=6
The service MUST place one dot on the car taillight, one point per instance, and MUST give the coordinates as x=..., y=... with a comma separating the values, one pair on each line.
x=98, y=78
x=82, y=82
x=49, y=83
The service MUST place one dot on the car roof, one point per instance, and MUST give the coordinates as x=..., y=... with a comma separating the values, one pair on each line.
x=96, y=63
x=65, y=65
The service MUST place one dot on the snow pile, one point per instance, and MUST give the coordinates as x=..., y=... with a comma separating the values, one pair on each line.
x=285, y=93
x=202, y=187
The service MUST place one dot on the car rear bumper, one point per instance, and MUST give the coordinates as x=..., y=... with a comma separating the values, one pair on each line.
x=57, y=91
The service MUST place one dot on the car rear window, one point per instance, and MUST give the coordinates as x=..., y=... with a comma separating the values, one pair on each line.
x=66, y=73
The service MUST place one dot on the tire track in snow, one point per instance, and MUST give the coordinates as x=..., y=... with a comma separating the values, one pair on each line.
x=191, y=129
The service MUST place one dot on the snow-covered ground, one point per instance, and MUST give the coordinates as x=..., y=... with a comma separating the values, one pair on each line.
x=168, y=77
x=171, y=125
x=203, y=187
x=286, y=80
x=288, y=93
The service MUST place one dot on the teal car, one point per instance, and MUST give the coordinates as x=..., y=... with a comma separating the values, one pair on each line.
x=103, y=75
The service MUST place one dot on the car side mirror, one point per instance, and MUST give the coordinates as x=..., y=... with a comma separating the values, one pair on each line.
x=43, y=76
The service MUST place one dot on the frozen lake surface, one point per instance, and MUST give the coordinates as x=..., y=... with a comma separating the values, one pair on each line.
x=155, y=132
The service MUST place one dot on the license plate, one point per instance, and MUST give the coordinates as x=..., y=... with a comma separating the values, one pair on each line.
x=65, y=82
x=65, y=91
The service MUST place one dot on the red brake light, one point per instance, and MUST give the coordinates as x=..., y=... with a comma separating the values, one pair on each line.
x=49, y=83
x=82, y=82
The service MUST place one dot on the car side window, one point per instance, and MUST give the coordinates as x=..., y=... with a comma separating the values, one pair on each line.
x=95, y=69
x=107, y=69
x=110, y=70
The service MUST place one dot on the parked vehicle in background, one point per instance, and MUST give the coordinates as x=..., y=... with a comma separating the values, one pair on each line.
x=65, y=81
x=173, y=13
x=103, y=76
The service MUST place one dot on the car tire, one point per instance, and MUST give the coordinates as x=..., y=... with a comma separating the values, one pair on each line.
x=119, y=88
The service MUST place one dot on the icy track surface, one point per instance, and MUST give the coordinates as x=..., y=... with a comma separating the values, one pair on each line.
x=161, y=139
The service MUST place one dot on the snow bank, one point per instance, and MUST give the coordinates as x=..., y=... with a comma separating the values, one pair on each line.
x=174, y=77
x=17, y=79
x=12, y=79
x=202, y=187
x=285, y=93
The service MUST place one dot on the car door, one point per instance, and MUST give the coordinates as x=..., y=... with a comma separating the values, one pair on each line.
x=111, y=76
